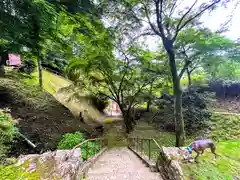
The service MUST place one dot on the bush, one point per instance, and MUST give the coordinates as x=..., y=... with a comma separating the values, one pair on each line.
x=28, y=66
x=70, y=140
x=92, y=148
x=8, y=132
x=195, y=113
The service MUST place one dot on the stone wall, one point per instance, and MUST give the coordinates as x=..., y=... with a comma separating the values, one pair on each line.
x=169, y=162
x=60, y=164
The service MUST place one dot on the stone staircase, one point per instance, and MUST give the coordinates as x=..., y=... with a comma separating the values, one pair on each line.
x=120, y=164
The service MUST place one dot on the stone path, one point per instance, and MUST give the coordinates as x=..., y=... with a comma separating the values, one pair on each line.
x=120, y=164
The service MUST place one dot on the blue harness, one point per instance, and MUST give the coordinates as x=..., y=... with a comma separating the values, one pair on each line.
x=189, y=149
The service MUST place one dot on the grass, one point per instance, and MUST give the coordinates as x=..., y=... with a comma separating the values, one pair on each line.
x=51, y=82
x=226, y=126
x=16, y=173
x=8, y=132
x=227, y=165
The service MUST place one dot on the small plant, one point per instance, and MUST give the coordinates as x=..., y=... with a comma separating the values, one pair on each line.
x=7, y=133
x=89, y=149
x=69, y=140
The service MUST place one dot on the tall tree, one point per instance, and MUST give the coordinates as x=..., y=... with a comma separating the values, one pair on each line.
x=166, y=20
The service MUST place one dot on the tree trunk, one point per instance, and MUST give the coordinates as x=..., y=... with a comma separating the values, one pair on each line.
x=179, y=122
x=128, y=122
x=2, y=70
x=39, y=70
x=189, y=77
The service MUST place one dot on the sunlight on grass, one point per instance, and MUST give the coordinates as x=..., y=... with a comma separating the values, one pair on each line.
x=226, y=126
x=225, y=167
x=108, y=120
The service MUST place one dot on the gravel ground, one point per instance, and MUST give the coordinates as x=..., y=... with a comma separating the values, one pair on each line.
x=120, y=164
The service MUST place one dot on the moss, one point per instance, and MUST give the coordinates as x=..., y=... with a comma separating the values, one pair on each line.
x=226, y=126
x=16, y=173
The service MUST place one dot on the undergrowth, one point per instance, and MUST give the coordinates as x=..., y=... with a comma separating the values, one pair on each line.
x=70, y=140
x=8, y=132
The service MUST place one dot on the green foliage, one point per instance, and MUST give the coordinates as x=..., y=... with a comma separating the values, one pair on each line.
x=16, y=173
x=89, y=149
x=8, y=132
x=69, y=140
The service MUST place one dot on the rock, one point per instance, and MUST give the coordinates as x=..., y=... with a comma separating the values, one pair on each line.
x=62, y=164
x=169, y=162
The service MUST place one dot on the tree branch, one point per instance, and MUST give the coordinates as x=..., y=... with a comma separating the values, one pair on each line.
x=149, y=21
x=184, y=68
x=110, y=82
x=159, y=17
x=172, y=8
x=120, y=85
x=180, y=27
x=144, y=34
x=182, y=18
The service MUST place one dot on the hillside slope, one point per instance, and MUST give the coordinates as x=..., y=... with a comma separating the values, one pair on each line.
x=62, y=90
x=39, y=115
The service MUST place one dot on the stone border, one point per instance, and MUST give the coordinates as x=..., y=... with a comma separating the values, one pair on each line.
x=83, y=169
x=145, y=159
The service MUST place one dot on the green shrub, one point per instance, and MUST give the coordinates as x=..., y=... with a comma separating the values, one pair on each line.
x=89, y=149
x=69, y=140
x=8, y=132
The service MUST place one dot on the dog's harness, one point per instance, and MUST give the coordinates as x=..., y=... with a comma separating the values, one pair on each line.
x=189, y=149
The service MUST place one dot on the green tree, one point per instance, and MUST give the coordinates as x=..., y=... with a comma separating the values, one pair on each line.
x=198, y=47
x=166, y=21
x=17, y=34
x=121, y=79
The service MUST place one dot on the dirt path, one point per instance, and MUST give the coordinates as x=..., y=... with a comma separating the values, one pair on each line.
x=120, y=164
